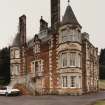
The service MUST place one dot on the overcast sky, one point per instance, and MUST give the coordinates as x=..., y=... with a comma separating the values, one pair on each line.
x=90, y=14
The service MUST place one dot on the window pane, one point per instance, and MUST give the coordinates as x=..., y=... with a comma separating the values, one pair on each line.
x=12, y=53
x=36, y=66
x=72, y=59
x=17, y=68
x=17, y=54
x=73, y=81
x=79, y=60
x=64, y=59
x=71, y=37
x=64, y=80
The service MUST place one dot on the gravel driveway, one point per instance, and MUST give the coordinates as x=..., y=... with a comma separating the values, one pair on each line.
x=52, y=100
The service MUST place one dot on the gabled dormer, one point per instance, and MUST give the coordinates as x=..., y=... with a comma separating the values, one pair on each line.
x=43, y=24
x=70, y=29
x=43, y=28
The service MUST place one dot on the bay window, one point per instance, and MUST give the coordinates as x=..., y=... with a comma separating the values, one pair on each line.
x=64, y=59
x=69, y=81
x=73, y=81
x=69, y=35
x=70, y=59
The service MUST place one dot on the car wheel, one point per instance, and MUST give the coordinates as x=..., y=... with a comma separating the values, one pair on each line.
x=6, y=93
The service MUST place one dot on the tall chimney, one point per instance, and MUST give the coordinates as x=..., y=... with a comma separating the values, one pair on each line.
x=55, y=14
x=22, y=29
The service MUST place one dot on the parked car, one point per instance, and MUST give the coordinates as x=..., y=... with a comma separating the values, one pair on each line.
x=9, y=91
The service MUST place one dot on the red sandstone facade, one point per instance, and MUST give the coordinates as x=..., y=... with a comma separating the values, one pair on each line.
x=58, y=60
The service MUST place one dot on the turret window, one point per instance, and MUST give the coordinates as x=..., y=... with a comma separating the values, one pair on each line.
x=69, y=35
x=12, y=53
x=15, y=69
x=17, y=54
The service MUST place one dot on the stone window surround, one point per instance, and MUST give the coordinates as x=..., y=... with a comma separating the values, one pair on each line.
x=77, y=81
x=69, y=35
x=15, y=68
x=13, y=53
x=39, y=66
x=77, y=59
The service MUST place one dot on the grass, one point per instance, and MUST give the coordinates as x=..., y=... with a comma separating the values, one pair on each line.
x=101, y=87
x=102, y=84
x=100, y=103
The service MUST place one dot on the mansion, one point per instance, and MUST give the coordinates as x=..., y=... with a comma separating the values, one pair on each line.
x=60, y=59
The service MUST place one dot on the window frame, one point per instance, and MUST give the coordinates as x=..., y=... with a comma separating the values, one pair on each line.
x=69, y=59
x=69, y=35
x=33, y=70
x=64, y=59
x=17, y=55
x=73, y=82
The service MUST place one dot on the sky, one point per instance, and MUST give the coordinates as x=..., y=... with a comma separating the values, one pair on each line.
x=89, y=13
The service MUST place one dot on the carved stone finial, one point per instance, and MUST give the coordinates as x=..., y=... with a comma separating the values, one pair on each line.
x=68, y=2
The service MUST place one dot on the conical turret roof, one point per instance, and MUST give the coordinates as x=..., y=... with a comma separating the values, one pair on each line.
x=69, y=17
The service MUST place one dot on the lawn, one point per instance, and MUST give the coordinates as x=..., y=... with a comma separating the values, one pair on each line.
x=100, y=103
x=101, y=87
x=102, y=84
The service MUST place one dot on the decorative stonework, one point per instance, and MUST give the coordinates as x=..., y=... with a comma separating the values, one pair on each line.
x=58, y=60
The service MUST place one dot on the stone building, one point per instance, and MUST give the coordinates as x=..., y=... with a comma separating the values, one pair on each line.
x=58, y=60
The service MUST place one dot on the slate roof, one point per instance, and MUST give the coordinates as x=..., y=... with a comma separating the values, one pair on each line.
x=69, y=17
x=16, y=41
x=43, y=40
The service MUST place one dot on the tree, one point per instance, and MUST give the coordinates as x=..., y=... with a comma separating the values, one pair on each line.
x=4, y=66
x=102, y=64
